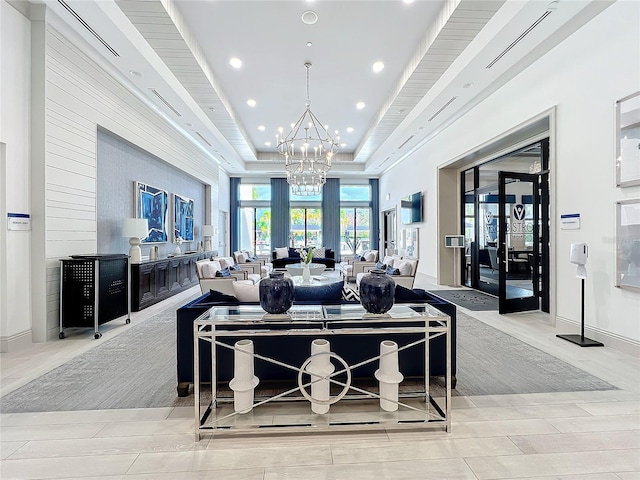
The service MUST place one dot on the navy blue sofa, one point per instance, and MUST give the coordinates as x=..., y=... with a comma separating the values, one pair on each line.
x=294, y=350
x=293, y=256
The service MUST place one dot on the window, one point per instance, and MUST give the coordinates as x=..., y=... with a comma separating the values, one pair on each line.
x=306, y=227
x=355, y=228
x=355, y=218
x=255, y=218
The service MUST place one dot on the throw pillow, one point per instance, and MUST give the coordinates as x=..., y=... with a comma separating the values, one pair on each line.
x=224, y=272
x=246, y=292
x=407, y=295
x=370, y=256
x=392, y=271
x=219, y=297
x=319, y=252
x=282, y=252
x=357, y=257
x=235, y=267
x=406, y=267
x=349, y=295
x=323, y=295
x=387, y=260
x=380, y=266
x=241, y=258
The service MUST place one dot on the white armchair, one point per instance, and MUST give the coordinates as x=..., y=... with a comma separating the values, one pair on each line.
x=207, y=269
x=406, y=266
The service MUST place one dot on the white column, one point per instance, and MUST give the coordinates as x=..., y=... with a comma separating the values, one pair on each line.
x=320, y=366
x=389, y=375
x=244, y=381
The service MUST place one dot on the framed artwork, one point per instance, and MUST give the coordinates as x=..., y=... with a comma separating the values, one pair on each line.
x=409, y=242
x=628, y=141
x=152, y=204
x=628, y=244
x=182, y=218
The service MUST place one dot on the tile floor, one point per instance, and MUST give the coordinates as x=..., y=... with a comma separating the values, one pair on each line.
x=560, y=436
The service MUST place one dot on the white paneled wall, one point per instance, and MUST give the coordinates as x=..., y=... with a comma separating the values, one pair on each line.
x=80, y=95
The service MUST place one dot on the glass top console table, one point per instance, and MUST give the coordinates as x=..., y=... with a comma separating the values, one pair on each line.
x=325, y=390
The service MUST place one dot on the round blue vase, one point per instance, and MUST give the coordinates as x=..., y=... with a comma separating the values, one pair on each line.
x=377, y=291
x=276, y=293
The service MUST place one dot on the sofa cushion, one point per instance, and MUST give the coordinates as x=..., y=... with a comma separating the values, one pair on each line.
x=241, y=257
x=380, y=266
x=282, y=252
x=209, y=269
x=246, y=291
x=331, y=293
x=388, y=261
x=370, y=256
x=319, y=252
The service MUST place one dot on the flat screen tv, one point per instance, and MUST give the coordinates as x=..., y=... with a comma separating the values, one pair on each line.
x=411, y=209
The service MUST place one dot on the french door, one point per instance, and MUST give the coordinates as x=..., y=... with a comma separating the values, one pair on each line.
x=518, y=248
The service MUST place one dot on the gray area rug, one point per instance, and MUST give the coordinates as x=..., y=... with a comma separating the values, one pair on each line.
x=136, y=369
x=469, y=299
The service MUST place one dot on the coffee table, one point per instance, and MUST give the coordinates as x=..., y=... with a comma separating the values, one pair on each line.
x=295, y=269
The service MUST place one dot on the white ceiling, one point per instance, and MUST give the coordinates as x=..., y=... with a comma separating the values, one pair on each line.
x=441, y=58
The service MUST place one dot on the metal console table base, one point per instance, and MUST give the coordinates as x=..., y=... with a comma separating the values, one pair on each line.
x=358, y=409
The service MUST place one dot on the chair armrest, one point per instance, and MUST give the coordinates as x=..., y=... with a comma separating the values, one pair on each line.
x=251, y=267
x=238, y=275
x=405, y=281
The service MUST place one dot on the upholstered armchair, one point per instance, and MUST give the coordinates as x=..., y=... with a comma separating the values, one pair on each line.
x=207, y=270
x=405, y=270
x=252, y=263
x=350, y=267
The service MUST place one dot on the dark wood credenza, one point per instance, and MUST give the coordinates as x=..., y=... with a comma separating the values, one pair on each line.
x=155, y=280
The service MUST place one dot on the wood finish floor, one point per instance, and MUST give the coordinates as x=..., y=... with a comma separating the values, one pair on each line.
x=560, y=436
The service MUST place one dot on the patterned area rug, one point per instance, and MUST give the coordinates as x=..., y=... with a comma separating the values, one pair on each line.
x=137, y=369
x=469, y=299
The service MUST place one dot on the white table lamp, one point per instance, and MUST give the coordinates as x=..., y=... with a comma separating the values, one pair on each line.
x=207, y=233
x=135, y=229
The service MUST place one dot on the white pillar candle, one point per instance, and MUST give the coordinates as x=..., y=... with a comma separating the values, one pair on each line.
x=244, y=381
x=389, y=375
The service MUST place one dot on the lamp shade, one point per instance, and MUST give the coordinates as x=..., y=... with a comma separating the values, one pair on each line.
x=207, y=230
x=135, y=227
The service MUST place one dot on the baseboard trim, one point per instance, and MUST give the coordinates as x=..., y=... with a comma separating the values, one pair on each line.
x=612, y=340
x=13, y=343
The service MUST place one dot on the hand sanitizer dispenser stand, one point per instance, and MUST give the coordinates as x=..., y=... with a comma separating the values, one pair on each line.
x=578, y=255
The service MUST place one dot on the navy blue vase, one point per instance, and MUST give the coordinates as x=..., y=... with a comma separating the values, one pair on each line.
x=377, y=291
x=276, y=293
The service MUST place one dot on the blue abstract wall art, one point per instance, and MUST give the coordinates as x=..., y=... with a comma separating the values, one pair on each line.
x=152, y=204
x=183, y=218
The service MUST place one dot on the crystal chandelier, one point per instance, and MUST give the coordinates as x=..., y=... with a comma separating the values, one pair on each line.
x=308, y=150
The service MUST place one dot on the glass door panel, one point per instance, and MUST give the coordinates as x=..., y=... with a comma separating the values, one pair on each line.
x=517, y=249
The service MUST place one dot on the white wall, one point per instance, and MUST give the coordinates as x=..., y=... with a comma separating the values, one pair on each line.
x=582, y=78
x=71, y=95
x=15, y=177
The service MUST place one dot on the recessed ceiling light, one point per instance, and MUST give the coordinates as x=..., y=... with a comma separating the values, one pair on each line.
x=309, y=17
x=343, y=145
x=360, y=105
x=467, y=85
x=262, y=128
x=378, y=67
x=349, y=129
x=135, y=73
x=309, y=44
x=251, y=102
x=267, y=144
x=235, y=62
x=407, y=1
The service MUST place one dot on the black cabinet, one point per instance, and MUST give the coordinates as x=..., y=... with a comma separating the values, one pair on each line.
x=156, y=280
x=94, y=289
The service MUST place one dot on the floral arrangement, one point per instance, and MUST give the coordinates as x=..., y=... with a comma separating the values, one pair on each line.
x=305, y=254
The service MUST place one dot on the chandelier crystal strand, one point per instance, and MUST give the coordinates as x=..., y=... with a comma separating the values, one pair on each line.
x=308, y=150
